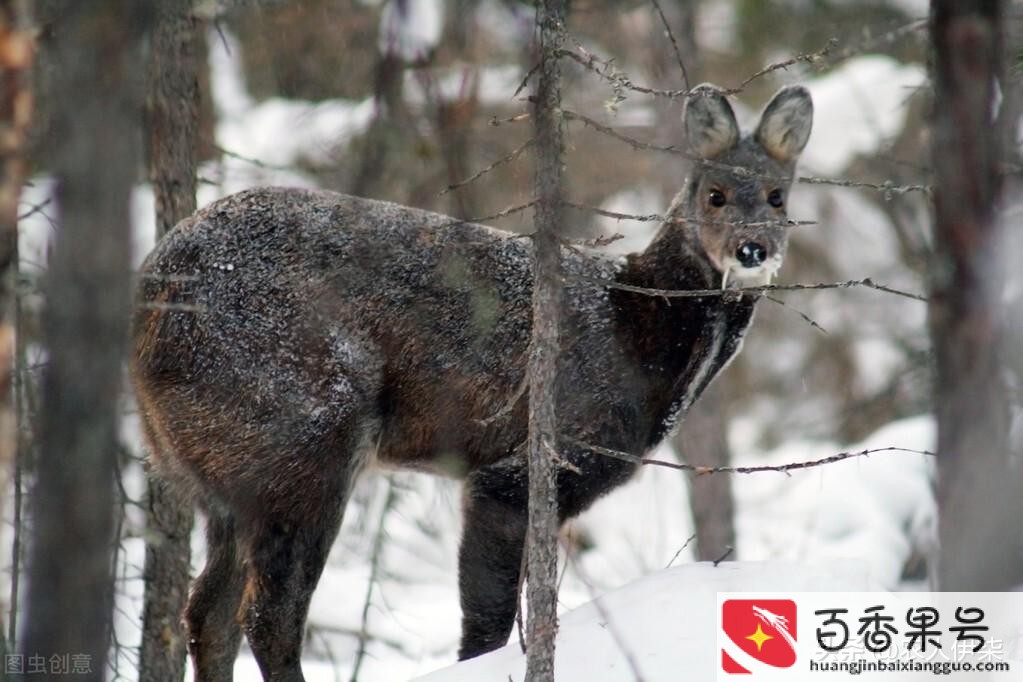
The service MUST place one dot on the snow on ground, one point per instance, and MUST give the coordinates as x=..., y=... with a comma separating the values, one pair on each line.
x=654, y=628
x=869, y=513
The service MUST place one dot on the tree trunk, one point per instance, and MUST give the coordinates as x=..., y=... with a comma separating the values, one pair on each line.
x=542, y=538
x=16, y=51
x=702, y=438
x=173, y=138
x=979, y=482
x=16, y=48
x=702, y=441
x=94, y=153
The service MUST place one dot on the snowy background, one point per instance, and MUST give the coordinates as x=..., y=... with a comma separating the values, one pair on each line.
x=863, y=523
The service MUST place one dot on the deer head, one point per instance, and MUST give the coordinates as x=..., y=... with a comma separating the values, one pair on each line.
x=736, y=197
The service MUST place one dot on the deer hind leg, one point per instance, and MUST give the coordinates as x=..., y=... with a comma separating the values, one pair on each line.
x=287, y=537
x=211, y=615
x=285, y=559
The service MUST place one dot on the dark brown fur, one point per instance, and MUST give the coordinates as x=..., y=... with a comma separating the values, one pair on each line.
x=286, y=338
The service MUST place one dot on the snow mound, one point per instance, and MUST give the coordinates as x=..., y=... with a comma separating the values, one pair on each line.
x=656, y=626
x=870, y=512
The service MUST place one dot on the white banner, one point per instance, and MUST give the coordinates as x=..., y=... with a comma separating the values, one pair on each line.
x=970, y=636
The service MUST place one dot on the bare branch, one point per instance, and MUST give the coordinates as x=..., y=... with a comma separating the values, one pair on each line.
x=619, y=81
x=390, y=642
x=887, y=187
x=517, y=118
x=510, y=404
x=374, y=570
x=606, y=620
x=700, y=293
x=252, y=160
x=634, y=143
x=724, y=555
x=600, y=240
x=503, y=160
x=36, y=208
x=494, y=216
x=657, y=217
x=681, y=549
x=166, y=277
x=674, y=44
x=809, y=58
x=179, y=307
x=701, y=470
x=525, y=80
x=809, y=320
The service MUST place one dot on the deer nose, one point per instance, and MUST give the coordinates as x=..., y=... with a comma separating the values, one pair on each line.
x=751, y=254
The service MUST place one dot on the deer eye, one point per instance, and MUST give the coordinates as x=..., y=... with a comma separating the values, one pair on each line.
x=775, y=198
x=717, y=198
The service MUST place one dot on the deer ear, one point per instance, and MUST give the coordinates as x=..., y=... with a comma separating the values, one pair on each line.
x=710, y=123
x=786, y=123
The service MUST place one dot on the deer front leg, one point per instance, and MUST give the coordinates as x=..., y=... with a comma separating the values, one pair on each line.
x=490, y=557
x=495, y=519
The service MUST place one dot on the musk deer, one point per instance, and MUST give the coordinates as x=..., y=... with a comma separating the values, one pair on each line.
x=286, y=339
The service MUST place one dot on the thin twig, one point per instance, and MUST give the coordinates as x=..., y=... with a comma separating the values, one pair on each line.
x=607, y=622
x=178, y=307
x=599, y=241
x=657, y=217
x=390, y=642
x=809, y=320
x=809, y=58
x=523, y=569
x=525, y=80
x=619, y=81
x=681, y=549
x=701, y=293
x=503, y=160
x=674, y=45
x=36, y=208
x=517, y=118
x=888, y=37
x=511, y=402
x=701, y=470
x=327, y=649
x=728, y=552
x=16, y=542
x=374, y=568
x=570, y=115
x=252, y=160
x=494, y=216
x=888, y=188
x=166, y=277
